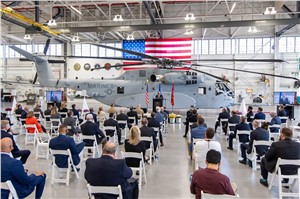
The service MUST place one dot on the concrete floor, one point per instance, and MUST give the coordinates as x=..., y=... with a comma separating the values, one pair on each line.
x=168, y=177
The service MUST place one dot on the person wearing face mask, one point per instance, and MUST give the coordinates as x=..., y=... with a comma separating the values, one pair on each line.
x=258, y=133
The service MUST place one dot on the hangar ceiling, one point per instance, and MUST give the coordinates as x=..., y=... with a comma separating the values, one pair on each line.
x=94, y=20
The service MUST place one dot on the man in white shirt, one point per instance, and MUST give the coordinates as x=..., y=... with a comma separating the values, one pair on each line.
x=202, y=147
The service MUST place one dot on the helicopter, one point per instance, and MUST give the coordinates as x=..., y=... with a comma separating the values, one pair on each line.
x=191, y=86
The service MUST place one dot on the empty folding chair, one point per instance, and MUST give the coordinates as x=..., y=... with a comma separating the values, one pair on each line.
x=10, y=187
x=141, y=169
x=111, y=128
x=241, y=133
x=115, y=190
x=30, y=138
x=94, y=148
x=149, y=151
x=55, y=123
x=57, y=172
x=42, y=146
x=22, y=121
x=294, y=178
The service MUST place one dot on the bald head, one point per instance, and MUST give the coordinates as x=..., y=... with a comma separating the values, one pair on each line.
x=5, y=124
x=6, y=145
x=256, y=123
x=272, y=114
x=89, y=117
x=109, y=148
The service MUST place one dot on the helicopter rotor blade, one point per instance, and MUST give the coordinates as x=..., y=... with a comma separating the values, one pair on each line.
x=245, y=71
x=35, y=78
x=126, y=51
x=206, y=73
x=237, y=60
x=120, y=66
x=47, y=46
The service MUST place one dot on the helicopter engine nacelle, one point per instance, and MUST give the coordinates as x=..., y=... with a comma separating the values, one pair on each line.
x=156, y=78
x=177, y=78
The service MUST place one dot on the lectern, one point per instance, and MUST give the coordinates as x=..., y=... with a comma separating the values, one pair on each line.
x=157, y=102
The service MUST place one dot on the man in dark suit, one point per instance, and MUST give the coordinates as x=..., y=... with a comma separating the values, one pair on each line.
x=94, y=116
x=282, y=113
x=250, y=114
x=148, y=132
x=110, y=171
x=275, y=120
x=63, y=142
x=284, y=99
x=242, y=126
x=122, y=117
x=285, y=148
x=70, y=121
x=259, y=115
x=13, y=170
x=48, y=112
x=191, y=117
x=24, y=113
x=90, y=128
x=76, y=113
x=132, y=113
x=159, y=95
x=223, y=115
x=154, y=123
x=234, y=119
x=19, y=109
x=257, y=134
x=112, y=122
x=16, y=152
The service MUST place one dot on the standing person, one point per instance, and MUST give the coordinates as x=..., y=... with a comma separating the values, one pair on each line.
x=189, y=113
x=112, y=109
x=110, y=171
x=16, y=152
x=159, y=95
x=210, y=180
x=112, y=122
x=63, y=142
x=285, y=148
x=13, y=170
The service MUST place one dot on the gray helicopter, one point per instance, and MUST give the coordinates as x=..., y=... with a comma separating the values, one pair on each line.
x=191, y=86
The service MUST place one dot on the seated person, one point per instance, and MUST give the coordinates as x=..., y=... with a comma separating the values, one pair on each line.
x=158, y=116
x=164, y=113
x=132, y=113
x=282, y=113
x=210, y=180
x=275, y=120
x=70, y=121
x=202, y=147
x=112, y=109
x=24, y=113
x=38, y=109
x=223, y=115
x=285, y=148
x=90, y=128
x=234, y=119
x=48, y=112
x=198, y=132
x=259, y=115
x=250, y=114
x=63, y=142
x=153, y=122
x=138, y=110
x=148, y=132
x=112, y=122
x=76, y=113
x=55, y=115
x=32, y=120
x=196, y=124
x=18, y=109
x=94, y=116
x=16, y=152
x=242, y=126
x=122, y=117
x=257, y=134
x=63, y=110
x=134, y=144
x=110, y=171
x=13, y=170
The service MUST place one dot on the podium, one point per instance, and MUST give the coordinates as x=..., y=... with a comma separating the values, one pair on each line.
x=157, y=102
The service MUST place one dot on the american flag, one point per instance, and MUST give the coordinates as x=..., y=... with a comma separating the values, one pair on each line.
x=172, y=95
x=147, y=95
x=173, y=48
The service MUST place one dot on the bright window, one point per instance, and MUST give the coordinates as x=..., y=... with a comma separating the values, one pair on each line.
x=220, y=47
x=242, y=46
x=290, y=44
x=267, y=45
x=118, y=53
x=282, y=45
x=250, y=45
x=212, y=47
x=297, y=46
x=204, y=47
x=227, y=46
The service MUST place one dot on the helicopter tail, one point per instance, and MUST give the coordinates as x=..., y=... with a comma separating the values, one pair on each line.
x=46, y=77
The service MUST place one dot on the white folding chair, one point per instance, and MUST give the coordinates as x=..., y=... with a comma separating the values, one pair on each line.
x=55, y=123
x=125, y=129
x=139, y=116
x=37, y=115
x=253, y=155
x=42, y=146
x=156, y=130
x=141, y=168
x=47, y=122
x=10, y=187
x=30, y=138
x=244, y=132
x=296, y=132
x=111, y=128
x=131, y=118
x=294, y=178
x=275, y=135
x=230, y=126
x=22, y=122
x=116, y=190
x=94, y=148
x=284, y=118
x=215, y=196
x=150, y=151
x=17, y=118
x=76, y=120
x=57, y=171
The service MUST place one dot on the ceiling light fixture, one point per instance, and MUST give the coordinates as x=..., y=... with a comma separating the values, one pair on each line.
x=118, y=18
x=27, y=37
x=189, y=32
x=75, y=38
x=189, y=17
x=130, y=37
x=232, y=8
x=270, y=11
x=252, y=29
x=52, y=22
x=75, y=9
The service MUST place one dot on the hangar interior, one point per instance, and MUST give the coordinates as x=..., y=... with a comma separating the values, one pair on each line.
x=222, y=29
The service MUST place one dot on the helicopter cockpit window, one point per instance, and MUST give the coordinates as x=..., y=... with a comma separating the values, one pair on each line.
x=202, y=90
x=142, y=73
x=219, y=88
x=228, y=89
x=191, y=77
x=120, y=90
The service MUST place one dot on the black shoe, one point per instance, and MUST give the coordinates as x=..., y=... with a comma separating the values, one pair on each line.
x=250, y=163
x=121, y=143
x=162, y=145
x=137, y=173
x=243, y=162
x=230, y=148
x=78, y=169
x=184, y=136
x=264, y=182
